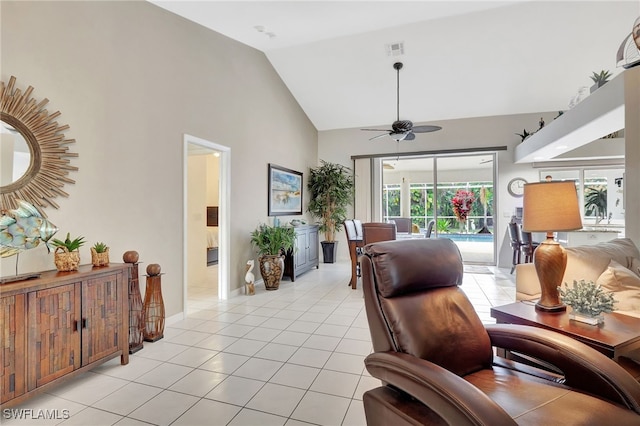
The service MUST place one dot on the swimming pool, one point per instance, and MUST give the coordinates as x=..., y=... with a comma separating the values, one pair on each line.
x=478, y=238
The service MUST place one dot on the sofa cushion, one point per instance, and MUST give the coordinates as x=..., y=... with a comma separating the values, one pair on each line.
x=589, y=262
x=634, y=265
x=624, y=284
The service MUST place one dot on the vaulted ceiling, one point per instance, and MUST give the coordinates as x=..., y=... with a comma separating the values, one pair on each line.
x=461, y=58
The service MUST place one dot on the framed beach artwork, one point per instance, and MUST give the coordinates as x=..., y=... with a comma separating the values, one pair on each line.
x=285, y=191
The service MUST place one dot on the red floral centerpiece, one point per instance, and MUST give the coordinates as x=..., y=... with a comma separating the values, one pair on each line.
x=462, y=202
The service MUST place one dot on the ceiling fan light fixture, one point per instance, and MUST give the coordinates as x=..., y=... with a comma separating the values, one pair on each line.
x=402, y=130
x=398, y=136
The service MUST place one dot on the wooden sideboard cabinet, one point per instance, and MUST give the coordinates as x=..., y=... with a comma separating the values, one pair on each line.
x=305, y=254
x=59, y=325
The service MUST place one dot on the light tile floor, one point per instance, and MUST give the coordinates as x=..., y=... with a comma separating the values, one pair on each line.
x=288, y=357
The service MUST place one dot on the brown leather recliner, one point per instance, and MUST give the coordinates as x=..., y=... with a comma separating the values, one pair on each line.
x=436, y=361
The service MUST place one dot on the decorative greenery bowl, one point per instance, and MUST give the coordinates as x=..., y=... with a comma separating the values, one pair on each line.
x=588, y=301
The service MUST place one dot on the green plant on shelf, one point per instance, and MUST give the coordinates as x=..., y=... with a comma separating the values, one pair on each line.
x=601, y=78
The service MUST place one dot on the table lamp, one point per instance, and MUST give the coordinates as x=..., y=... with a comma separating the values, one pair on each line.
x=550, y=207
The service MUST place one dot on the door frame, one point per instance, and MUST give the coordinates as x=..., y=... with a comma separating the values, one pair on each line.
x=223, y=215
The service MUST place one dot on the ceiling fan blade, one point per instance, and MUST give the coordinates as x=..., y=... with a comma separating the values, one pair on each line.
x=425, y=129
x=377, y=130
x=379, y=136
x=410, y=136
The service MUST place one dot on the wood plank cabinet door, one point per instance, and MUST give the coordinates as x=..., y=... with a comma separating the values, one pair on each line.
x=54, y=338
x=13, y=351
x=102, y=317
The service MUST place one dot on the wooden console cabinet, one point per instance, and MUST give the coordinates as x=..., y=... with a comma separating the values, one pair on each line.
x=305, y=254
x=59, y=325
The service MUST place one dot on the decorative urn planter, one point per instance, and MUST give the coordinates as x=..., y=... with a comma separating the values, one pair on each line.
x=271, y=269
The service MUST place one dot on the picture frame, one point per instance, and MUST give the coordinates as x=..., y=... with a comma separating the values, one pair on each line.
x=285, y=191
x=212, y=215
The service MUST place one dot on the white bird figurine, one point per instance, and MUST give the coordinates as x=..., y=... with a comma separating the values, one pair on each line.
x=250, y=278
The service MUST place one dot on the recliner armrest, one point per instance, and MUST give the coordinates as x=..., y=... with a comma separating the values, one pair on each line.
x=455, y=400
x=584, y=368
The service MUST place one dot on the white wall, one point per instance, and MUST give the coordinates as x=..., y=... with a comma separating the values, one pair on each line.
x=131, y=79
x=632, y=153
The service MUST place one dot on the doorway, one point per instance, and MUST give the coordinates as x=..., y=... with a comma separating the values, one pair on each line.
x=206, y=171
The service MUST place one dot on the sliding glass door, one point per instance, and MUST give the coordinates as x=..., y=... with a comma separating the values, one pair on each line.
x=456, y=192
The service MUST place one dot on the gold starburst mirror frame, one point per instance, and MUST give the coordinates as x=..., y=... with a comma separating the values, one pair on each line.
x=48, y=157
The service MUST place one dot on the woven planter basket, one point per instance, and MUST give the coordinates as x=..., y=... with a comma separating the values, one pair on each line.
x=65, y=260
x=99, y=259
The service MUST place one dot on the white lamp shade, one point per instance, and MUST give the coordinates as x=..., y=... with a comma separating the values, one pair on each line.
x=550, y=207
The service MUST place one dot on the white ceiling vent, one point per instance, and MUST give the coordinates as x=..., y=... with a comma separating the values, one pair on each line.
x=395, y=49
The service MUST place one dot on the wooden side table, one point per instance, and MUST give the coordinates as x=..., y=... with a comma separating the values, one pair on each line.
x=619, y=335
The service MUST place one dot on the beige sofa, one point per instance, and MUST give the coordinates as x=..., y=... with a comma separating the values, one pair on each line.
x=615, y=265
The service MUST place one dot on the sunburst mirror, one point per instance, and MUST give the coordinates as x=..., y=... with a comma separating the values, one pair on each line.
x=34, y=154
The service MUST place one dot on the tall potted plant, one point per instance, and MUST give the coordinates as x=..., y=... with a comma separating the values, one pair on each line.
x=272, y=243
x=331, y=192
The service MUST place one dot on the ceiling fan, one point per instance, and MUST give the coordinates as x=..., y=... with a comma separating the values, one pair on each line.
x=402, y=130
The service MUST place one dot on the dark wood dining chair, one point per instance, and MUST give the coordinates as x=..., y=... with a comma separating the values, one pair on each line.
x=353, y=229
x=373, y=232
x=527, y=246
x=516, y=245
x=430, y=225
x=403, y=224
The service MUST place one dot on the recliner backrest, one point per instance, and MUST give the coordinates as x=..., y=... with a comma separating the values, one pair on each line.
x=414, y=304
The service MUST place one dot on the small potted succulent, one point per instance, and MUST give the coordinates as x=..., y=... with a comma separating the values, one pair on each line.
x=100, y=254
x=588, y=301
x=67, y=254
x=599, y=79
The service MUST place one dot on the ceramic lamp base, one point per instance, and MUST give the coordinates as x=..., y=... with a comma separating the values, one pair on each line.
x=550, y=261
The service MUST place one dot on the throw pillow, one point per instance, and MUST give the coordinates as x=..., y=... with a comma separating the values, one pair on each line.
x=624, y=284
x=634, y=265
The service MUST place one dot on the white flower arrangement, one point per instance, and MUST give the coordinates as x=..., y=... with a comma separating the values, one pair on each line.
x=587, y=298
